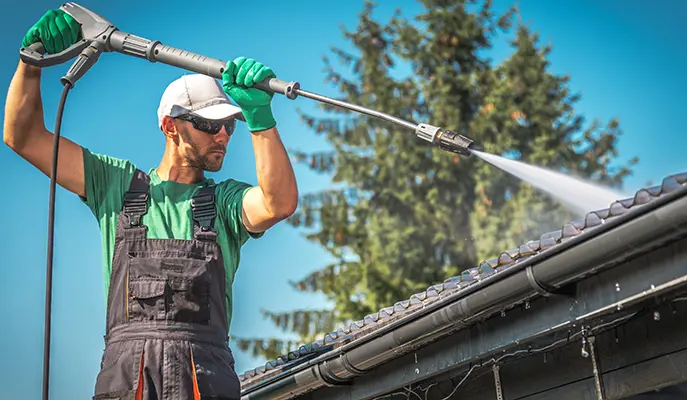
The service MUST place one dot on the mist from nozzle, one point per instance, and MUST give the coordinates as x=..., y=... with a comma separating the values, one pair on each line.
x=580, y=196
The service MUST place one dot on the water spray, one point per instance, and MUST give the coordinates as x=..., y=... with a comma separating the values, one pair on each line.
x=101, y=36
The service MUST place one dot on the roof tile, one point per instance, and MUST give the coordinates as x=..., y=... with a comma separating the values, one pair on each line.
x=592, y=220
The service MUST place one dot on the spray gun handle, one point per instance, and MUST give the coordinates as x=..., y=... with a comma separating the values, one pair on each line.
x=35, y=54
x=88, y=57
x=94, y=28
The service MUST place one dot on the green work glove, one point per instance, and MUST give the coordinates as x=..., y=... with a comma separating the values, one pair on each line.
x=238, y=78
x=56, y=29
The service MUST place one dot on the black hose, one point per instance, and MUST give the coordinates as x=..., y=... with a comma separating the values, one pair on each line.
x=51, y=229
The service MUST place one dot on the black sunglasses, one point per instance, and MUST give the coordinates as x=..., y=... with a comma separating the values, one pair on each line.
x=210, y=126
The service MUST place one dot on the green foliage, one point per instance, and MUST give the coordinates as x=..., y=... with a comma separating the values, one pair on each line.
x=410, y=215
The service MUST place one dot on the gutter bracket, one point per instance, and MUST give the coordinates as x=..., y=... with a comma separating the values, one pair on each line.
x=544, y=289
x=327, y=382
x=330, y=379
x=349, y=367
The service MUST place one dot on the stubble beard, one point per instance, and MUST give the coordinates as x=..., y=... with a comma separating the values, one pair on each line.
x=196, y=158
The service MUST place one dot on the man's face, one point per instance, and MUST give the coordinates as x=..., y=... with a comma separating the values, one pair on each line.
x=201, y=149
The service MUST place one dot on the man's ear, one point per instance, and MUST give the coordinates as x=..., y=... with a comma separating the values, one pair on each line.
x=169, y=127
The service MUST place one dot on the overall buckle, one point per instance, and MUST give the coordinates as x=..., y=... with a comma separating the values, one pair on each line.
x=203, y=208
x=135, y=206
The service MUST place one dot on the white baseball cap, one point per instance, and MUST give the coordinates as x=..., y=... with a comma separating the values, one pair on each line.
x=198, y=94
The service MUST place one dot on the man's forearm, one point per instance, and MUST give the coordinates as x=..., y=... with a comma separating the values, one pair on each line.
x=275, y=173
x=23, y=107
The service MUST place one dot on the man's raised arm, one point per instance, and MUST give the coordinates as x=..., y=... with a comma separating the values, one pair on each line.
x=24, y=124
x=276, y=196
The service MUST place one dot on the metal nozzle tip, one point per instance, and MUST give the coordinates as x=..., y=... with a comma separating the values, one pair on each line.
x=455, y=143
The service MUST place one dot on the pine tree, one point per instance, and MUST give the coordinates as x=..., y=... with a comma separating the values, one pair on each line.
x=409, y=215
x=529, y=114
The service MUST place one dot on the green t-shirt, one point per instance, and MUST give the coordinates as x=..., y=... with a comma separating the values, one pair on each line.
x=169, y=211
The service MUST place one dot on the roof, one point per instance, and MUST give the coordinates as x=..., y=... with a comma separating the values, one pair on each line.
x=454, y=286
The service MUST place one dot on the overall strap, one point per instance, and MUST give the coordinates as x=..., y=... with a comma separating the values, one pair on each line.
x=136, y=205
x=204, y=213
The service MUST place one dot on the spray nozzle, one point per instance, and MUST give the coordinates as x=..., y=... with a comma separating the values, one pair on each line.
x=454, y=142
x=445, y=139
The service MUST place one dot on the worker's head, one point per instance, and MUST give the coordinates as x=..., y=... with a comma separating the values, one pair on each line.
x=198, y=120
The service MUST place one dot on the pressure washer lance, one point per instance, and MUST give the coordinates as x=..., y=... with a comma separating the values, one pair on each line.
x=100, y=35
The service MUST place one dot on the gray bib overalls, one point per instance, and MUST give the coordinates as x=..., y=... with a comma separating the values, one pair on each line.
x=166, y=328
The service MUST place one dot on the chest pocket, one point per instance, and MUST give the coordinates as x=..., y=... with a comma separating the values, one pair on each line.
x=168, y=289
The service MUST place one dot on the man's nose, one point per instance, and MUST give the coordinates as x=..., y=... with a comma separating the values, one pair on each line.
x=222, y=136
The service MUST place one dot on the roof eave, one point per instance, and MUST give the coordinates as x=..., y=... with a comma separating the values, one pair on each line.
x=648, y=225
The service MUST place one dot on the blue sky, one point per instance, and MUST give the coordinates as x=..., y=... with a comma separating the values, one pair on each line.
x=626, y=58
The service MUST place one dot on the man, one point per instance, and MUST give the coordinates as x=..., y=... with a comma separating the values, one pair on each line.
x=171, y=237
